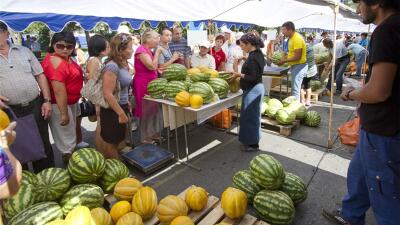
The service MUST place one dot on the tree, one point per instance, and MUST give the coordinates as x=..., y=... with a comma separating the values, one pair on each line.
x=42, y=32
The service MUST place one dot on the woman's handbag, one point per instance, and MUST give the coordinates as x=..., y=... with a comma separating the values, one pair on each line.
x=87, y=108
x=93, y=90
x=28, y=145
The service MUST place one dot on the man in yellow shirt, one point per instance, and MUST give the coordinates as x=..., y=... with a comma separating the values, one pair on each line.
x=296, y=57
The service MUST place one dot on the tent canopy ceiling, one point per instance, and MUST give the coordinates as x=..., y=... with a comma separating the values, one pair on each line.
x=268, y=13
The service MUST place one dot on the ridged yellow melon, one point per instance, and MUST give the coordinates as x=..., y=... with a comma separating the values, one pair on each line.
x=196, y=198
x=4, y=120
x=193, y=71
x=196, y=101
x=100, y=217
x=130, y=219
x=144, y=202
x=119, y=209
x=126, y=188
x=171, y=207
x=182, y=220
x=234, y=203
x=79, y=215
x=183, y=99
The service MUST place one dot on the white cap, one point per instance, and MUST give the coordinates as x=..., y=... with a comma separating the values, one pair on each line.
x=205, y=44
x=123, y=29
x=264, y=32
x=225, y=30
x=238, y=35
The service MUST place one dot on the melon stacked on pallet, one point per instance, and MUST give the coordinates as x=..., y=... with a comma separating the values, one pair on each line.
x=273, y=192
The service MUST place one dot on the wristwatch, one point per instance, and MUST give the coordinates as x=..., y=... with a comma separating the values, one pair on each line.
x=46, y=100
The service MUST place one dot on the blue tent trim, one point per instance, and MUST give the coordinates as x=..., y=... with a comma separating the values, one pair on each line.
x=56, y=22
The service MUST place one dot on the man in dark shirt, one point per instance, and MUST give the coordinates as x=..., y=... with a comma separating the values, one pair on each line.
x=373, y=178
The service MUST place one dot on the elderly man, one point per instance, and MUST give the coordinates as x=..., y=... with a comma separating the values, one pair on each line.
x=179, y=44
x=229, y=48
x=203, y=58
x=24, y=87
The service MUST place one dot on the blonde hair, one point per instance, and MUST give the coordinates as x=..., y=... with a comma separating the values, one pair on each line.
x=118, y=44
x=147, y=34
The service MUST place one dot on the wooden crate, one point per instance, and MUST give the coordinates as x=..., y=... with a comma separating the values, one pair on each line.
x=210, y=215
x=316, y=94
x=273, y=125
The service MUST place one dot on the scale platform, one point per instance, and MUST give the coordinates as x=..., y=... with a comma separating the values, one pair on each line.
x=147, y=157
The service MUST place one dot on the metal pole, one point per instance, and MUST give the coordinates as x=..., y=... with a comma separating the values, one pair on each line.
x=330, y=141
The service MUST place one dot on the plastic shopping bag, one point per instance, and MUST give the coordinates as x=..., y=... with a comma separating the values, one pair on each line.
x=349, y=132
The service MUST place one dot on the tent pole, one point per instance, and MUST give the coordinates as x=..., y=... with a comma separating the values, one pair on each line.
x=330, y=141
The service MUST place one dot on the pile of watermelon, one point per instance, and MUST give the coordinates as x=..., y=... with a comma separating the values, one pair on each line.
x=177, y=78
x=273, y=192
x=52, y=193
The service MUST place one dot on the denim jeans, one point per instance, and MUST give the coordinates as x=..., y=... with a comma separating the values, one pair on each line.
x=340, y=67
x=360, y=61
x=298, y=72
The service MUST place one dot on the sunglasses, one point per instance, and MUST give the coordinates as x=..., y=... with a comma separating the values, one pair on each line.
x=62, y=46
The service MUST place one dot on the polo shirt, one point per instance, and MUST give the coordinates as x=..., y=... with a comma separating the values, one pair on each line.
x=207, y=60
x=297, y=42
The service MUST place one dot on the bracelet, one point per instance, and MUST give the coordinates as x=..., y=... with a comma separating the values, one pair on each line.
x=46, y=100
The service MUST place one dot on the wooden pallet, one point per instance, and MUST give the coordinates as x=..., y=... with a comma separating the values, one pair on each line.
x=273, y=125
x=316, y=94
x=210, y=215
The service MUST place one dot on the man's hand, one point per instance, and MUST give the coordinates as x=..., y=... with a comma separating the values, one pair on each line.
x=2, y=101
x=46, y=110
x=64, y=120
x=345, y=94
x=281, y=62
x=122, y=118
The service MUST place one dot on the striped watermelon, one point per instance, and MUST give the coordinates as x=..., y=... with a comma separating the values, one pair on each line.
x=176, y=72
x=267, y=171
x=29, y=178
x=225, y=75
x=243, y=180
x=115, y=171
x=173, y=88
x=313, y=119
x=274, y=207
x=220, y=87
x=295, y=188
x=200, y=77
x=188, y=82
x=24, y=198
x=86, y=165
x=38, y=214
x=156, y=87
x=204, y=90
x=52, y=184
x=89, y=195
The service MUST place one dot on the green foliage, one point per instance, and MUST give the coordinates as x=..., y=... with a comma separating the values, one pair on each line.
x=42, y=32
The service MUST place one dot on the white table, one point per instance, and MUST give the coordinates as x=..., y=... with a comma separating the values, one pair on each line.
x=175, y=116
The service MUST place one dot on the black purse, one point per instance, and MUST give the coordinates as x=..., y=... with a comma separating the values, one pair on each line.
x=87, y=108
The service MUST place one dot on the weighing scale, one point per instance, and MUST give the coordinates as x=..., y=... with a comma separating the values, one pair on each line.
x=147, y=157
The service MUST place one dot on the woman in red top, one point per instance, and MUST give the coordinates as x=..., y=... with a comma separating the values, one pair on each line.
x=66, y=80
x=218, y=53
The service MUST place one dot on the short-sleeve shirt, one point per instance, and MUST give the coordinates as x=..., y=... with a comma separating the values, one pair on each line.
x=197, y=60
x=219, y=57
x=124, y=78
x=6, y=169
x=180, y=46
x=69, y=73
x=165, y=56
x=364, y=43
x=383, y=118
x=297, y=42
x=356, y=49
x=17, y=75
x=341, y=49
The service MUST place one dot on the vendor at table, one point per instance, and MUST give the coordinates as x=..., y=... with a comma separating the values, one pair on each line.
x=253, y=92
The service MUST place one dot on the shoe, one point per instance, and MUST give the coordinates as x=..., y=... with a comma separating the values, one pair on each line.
x=338, y=92
x=66, y=157
x=335, y=217
x=250, y=148
x=82, y=144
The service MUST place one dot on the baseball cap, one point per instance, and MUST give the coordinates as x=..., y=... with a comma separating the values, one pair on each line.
x=238, y=35
x=205, y=44
x=226, y=30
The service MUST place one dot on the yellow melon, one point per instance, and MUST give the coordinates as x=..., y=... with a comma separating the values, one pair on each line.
x=126, y=188
x=4, y=120
x=144, y=202
x=79, y=215
x=196, y=198
x=171, y=207
x=130, y=219
x=119, y=209
x=182, y=220
x=100, y=217
x=234, y=203
x=196, y=101
x=193, y=71
x=183, y=99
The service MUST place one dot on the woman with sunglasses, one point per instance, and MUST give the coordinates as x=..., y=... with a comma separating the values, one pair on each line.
x=116, y=78
x=253, y=91
x=66, y=80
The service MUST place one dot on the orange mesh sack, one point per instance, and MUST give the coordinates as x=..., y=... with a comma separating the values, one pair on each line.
x=349, y=132
x=223, y=119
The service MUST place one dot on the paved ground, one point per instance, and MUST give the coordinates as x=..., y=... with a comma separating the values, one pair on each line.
x=303, y=153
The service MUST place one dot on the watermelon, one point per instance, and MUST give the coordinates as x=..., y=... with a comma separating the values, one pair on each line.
x=173, y=88
x=52, y=184
x=38, y=214
x=176, y=72
x=274, y=207
x=313, y=119
x=277, y=56
x=86, y=165
x=243, y=180
x=315, y=85
x=156, y=87
x=204, y=90
x=287, y=101
x=264, y=108
x=225, y=75
x=321, y=58
x=220, y=87
x=295, y=188
x=89, y=195
x=267, y=172
x=299, y=109
x=285, y=116
x=266, y=99
x=200, y=77
x=188, y=82
x=115, y=170
x=24, y=198
x=29, y=178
